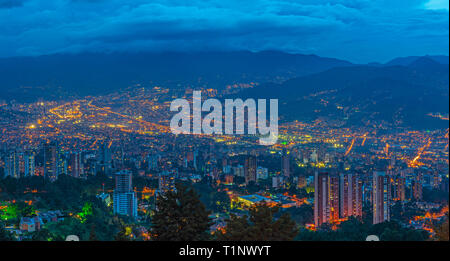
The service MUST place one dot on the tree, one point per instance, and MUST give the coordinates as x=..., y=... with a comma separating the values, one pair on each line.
x=181, y=216
x=55, y=231
x=214, y=200
x=219, y=201
x=124, y=233
x=355, y=230
x=441, y=231
x=395, y=231
x=261, y=225
x=45, y=235
x=5, y=235
x=92, y=235
x=302, y=215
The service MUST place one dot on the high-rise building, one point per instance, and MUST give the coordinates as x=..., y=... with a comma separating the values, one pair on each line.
x=444, y=186
x=123, y=181
x=326, y=198
x=61, y=163
x=350, y=195
x=50, y=170
x=105, y=158
x=314, y=157
x=166, y=181
x=381, y=197
x=239, y=171
x=398, y=188
x=195, y=158
x=12, y=165
x=229, y=179
x=125, y=204
x=188, y=159
x=214, y=173
x=277, y=181
x=262, y=173
x=301, y=182
x=226, y=169
x=76, y=165
x=125, y=199
x=250, y=169
x=436, y=180
x=152, y=161
x=285, y=163
x=417, y=186
x=29, y=165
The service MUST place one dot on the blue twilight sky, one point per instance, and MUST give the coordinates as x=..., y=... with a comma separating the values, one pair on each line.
x=356, y=30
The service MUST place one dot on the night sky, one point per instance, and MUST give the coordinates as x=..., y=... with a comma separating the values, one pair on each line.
x=356, y=30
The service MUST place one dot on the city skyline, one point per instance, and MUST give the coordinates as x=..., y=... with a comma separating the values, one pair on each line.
x=224, y=121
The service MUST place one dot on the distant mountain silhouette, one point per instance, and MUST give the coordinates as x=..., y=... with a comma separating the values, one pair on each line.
x=428, y=64
x=92, y=73
x=405, y=61
x=397, y=95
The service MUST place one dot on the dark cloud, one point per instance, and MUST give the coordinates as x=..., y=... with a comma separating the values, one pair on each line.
x=10, y=3
x=358, y=30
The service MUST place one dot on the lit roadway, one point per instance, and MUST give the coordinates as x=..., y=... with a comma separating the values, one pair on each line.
x=422, y=149
x=350, y=148
x=154, y=125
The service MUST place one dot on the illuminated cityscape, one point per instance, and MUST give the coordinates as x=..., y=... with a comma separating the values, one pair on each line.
x=325, y=172
x=359, y=92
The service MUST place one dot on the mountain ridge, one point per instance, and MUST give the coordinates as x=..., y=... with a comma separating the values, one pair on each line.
x=405, y=61
x=93, y=73
x=365, y=94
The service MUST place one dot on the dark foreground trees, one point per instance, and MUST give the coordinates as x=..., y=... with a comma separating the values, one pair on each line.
x=261, y=225
x=441, y=231
x=180, y=216
x=355, y=230
x=5, y=235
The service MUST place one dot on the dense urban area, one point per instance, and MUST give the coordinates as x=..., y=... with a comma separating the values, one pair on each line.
x=107, y=167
